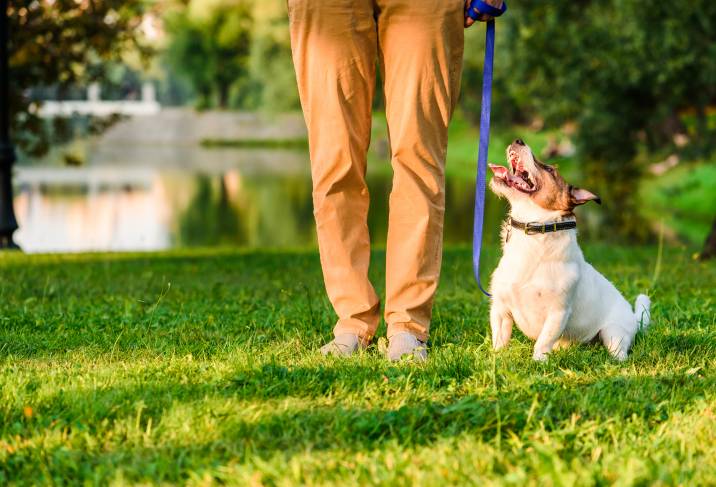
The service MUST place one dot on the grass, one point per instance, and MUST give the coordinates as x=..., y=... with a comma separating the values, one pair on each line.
x=200, y=367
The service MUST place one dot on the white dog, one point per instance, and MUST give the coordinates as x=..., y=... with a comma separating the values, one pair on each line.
x=542, y=282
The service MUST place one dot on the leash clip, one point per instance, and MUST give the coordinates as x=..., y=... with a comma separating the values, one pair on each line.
x=478, y=8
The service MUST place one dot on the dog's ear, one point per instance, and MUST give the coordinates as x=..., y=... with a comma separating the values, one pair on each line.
x=580, y=196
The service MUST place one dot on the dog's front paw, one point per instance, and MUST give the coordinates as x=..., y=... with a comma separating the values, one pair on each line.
x=620, y=356
x=498, y=344
x=539, y=356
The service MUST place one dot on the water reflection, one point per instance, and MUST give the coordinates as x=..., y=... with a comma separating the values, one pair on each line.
x=119, y=207
x=253, y=211
x=98, y=209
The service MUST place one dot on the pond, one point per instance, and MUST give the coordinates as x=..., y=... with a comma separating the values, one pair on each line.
x=153, y=198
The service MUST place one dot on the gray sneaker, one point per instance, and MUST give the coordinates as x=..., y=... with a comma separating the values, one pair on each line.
x=343, y=345
x=406, y=344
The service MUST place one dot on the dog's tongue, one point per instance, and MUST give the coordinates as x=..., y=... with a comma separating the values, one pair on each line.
x=513, y=180
x=499, y=171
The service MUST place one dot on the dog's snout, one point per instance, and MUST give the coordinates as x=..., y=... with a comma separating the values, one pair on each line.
x=519, y=142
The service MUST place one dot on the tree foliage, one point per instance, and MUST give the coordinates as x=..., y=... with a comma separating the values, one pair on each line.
x=62, y=43
x=273, y=80
x=210, y=46
x=624, y=70
x=628, y=72
x=234, y=53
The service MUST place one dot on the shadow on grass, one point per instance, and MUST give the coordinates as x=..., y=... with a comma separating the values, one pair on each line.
x=547, y=403
x=590, y=396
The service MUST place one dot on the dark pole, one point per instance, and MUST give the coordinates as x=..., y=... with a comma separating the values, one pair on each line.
x=8, y=224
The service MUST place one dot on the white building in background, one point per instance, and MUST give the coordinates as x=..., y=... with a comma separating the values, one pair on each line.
x=94, y=105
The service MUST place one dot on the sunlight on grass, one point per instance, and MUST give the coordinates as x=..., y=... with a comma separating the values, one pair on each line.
x=199, y=367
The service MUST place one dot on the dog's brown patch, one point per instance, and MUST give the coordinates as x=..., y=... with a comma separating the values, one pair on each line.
x=554, y=193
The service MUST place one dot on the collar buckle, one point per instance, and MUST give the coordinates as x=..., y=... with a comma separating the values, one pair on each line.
x=534, y=228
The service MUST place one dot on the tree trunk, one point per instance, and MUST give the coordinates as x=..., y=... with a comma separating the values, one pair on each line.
x=710, y=244
x=224, y=95
x=702, y=128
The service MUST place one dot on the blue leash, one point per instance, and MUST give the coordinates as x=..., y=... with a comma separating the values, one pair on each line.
x=484, y=133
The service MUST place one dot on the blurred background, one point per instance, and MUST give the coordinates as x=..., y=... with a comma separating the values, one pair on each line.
x=147, y=125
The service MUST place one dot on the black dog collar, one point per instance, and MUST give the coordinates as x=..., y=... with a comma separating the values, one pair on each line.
x=533, y=228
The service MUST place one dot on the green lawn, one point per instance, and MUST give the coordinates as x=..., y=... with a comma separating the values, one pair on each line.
x=201, y=367
x=684, y=198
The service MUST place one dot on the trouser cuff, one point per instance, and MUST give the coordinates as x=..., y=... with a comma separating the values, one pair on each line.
x=364, y=331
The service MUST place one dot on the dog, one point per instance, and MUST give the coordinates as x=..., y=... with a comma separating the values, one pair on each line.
x=542, y=283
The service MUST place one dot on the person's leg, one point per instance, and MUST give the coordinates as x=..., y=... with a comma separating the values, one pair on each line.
x=334, y=52
x=421, y=46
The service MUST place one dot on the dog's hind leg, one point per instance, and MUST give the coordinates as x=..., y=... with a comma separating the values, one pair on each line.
x=563, y=343
x=500, y=323
x=642, y=311
x=618, y=339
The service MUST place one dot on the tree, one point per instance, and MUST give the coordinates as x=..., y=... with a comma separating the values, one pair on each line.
x=210, y=46
x=709, y=250
x=626, y=71
x=272, y=79
x=63, y=43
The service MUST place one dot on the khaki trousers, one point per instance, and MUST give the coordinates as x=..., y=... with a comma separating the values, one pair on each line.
x=419, y=46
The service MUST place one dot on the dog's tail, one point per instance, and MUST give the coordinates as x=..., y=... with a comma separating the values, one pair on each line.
x=642, y=311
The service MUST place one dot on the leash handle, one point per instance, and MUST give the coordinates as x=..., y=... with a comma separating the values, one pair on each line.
x=481, y=181
x=478, y=8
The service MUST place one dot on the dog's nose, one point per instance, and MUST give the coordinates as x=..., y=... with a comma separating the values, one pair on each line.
x=519, y=142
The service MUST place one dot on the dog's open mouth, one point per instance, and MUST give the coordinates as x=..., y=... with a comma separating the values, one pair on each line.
x=515, y=177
